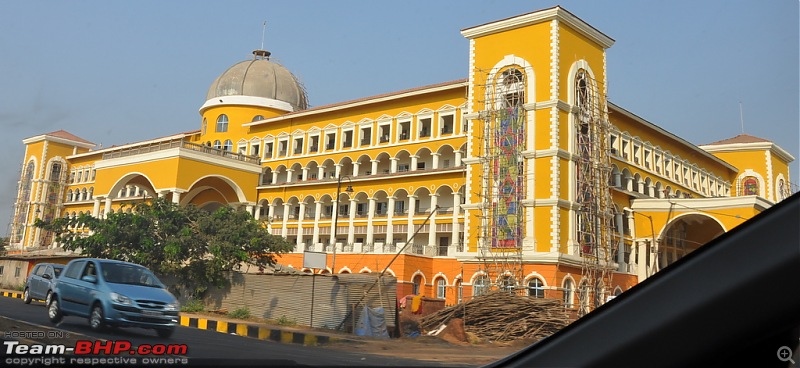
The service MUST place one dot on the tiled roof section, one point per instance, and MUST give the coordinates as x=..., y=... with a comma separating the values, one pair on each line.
x=741, y=138
x=67, y=135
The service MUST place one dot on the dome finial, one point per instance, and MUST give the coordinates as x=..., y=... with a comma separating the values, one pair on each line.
x=264, y=54
x=261, y=52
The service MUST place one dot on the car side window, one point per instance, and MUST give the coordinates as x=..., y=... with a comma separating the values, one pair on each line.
x=74, y=270
x=39, y=270
x=89, y=270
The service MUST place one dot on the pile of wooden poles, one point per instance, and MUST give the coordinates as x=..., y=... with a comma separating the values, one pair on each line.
x=502, y=316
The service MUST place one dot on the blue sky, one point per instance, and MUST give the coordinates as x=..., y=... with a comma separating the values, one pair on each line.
x=119, y=72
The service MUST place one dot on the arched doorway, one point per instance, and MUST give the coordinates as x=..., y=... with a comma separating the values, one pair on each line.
x=685, y=234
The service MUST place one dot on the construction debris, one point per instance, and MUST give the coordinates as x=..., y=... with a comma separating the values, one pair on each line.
x=502, y=316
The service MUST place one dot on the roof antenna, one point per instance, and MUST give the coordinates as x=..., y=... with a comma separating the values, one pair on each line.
x=741, y=116
x=264, y=54
x=263, y=32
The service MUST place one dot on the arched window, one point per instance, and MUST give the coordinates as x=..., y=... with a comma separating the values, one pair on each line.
x=480, y=286
x=417, y=281
x=441, y=288
x=536, y=288
x=750, y=186
x=258, y=118
x=217, y=144
x=222, y=123
x=512, y=88
x=55, y=172
x=228, y=145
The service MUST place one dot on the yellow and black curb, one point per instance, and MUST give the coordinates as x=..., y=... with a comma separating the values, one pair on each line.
x=12, y=294
x=241, y=329
x=256, y=332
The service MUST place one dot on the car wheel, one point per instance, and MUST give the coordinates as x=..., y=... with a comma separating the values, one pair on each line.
x=26, y=296
x=54, y=311
x=96, y=318
x=165, y=332
x=49, y=297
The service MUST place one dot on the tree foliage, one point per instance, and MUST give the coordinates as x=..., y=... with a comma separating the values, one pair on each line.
x=196, y=247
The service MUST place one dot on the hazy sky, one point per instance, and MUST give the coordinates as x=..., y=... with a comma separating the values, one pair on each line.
x=115, y=72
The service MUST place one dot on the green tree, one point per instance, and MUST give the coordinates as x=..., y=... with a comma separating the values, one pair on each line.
x=197, y=247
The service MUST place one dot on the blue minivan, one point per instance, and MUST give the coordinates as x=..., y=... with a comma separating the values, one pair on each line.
x=113, y=293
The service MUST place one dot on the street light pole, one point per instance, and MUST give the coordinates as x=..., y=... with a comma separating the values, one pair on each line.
x=349, y=189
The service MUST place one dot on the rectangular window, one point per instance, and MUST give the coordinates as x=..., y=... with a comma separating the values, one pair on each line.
x=405, y=127
x=268, y=150
x=348, y=139
x=380, y=208
x=400, y=207
x=330, y=141
x=424, y=127
x=17, y=271
x=383, y=132
x=402, y=168
x=314, y=145
x=420, y=166
x=298, y=146
x=282, y=147
x=366, y=136
x=447, y=124
x=254, y=149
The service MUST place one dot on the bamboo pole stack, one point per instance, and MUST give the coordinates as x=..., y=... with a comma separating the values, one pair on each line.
x=501, y=316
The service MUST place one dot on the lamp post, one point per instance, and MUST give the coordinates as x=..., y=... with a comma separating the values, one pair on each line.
x=349, y=189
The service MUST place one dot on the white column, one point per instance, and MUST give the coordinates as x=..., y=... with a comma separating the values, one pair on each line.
x=432, y=241
x=286, y=210
x=300, y=218
x=454, y=235
x=338, y=169
x=289, y=174
x=274, y=177
x=412, y=209
x=435, y=164
x=642, y=261
x=257, y=212
x=249, y=208
x=317, y=211
x=107, y=209
x=356, y=165
x=374, y=166
x=458, y=158
x=96, y=208
x=389, y=217
x=176, y=197
x=413, y=163
x=305, y=174
x=334, y=220
x=370, y=215
x=351, y=229
x=393, y=164
x=320, y=172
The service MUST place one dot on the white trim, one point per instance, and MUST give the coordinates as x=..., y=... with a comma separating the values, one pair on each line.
x=177, y=153
x=357, y=103
x=541, y=16
x=736, y=147
x=716, y=203
x=52, y=138
x=247, y=101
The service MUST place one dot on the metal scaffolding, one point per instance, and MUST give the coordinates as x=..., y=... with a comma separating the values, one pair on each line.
x=595, y=235
x=503, y=179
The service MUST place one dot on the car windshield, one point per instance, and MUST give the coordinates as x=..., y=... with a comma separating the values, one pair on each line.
x=121, y=273
x=57, y=271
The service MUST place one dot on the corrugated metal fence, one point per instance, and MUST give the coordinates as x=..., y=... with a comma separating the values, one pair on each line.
x=289, y=297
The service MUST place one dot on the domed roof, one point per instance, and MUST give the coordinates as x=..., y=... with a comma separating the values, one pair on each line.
x=259, y=82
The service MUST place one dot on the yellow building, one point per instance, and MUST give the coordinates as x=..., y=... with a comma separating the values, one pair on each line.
x=520, y=176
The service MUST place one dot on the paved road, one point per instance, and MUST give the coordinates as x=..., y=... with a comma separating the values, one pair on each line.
x=208, y=347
